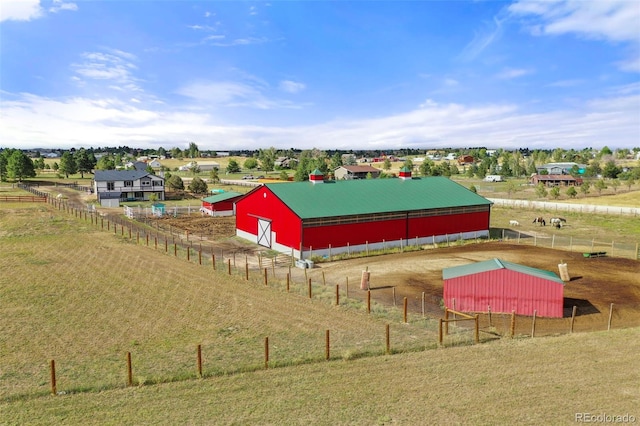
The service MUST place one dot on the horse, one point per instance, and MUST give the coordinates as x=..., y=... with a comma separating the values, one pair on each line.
x=557, y=221
x=514, y=223
x=540, y=220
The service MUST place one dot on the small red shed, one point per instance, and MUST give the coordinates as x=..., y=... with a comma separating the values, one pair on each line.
x=220, y=204
x=505, y=287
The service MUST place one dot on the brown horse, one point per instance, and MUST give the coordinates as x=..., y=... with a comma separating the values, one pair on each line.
x=540, y=220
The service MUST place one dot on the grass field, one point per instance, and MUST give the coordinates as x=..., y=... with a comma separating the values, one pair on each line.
x=85, y=297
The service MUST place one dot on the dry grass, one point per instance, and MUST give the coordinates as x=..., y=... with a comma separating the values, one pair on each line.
x=532, y=381
x=85, y=297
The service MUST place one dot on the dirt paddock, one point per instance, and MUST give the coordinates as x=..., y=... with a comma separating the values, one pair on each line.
x=595, y=283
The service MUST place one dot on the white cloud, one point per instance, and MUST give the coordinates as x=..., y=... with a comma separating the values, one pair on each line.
x=34, y=121
x=292, y=86
x=20, y=10
x=510, y=73
x=611, y=20
x=59, y=5
x=483, y=39
x=116, y=66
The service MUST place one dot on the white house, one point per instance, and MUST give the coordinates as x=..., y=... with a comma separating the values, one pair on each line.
x=155, y=164
x=113, y=186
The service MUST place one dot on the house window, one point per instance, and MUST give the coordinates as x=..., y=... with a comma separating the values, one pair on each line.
x=157, y=183
x=111, y=186
x=128, y=183
x=145, y=183
x=139, y=195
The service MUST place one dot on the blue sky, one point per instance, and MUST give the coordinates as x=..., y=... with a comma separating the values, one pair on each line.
x=324, y=74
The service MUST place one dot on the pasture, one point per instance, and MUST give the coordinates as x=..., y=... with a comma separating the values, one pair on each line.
x=84, y=297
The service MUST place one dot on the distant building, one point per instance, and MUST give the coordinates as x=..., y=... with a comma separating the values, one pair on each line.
x=113, y=186
x=355, y=172
x=561, y=168
x=556, y=180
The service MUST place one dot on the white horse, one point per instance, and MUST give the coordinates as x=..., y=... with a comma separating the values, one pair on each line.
x=557, y=221
x=514, y=223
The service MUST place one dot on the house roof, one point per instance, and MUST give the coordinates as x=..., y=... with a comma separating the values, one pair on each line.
x=360, y=169
x=554, y=177
x=104, y=175
x=368, y=196
x=496, y=264
x=222, y=197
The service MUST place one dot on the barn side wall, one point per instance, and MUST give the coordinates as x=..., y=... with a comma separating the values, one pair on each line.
x=505, y=291
x=285, y=225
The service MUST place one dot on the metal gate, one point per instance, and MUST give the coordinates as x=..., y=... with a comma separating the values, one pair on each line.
x=264, y=232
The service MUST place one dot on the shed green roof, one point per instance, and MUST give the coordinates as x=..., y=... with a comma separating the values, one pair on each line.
x=368, y=196
x=221, y=197
x=495, y=264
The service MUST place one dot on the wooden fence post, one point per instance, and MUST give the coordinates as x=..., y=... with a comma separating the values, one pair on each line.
x=326, y=346
x=129, y=370
x=309, y=288
x=368, y=301
x=265, y=277
x=387, y=340
x=610, y=314
x=54, y=387
x=440, y=331
x=423, y=304
x=404, y=315
x=199, y=361
x=288, y=278
x=229, y=266
x=175, y=250
x=266, y=353
x=337, y=294
x=573, y=317
x=200, y=256
x=213, y=260
x=533, y=323
x=489, y=311
x=393, y=289
x=512, y=329
x=246, y=270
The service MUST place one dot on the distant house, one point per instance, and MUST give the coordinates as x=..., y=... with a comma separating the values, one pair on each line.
x=556, y=180
x=136, y=165
x=561, y=168
x=113, y=186
x=220, y=204
x=204, y=166
x=283, y=162
x=465, y=160
x=155, y=164
x=355, y=172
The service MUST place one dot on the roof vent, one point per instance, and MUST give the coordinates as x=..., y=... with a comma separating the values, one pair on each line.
x=316, y=176
x=405, y=173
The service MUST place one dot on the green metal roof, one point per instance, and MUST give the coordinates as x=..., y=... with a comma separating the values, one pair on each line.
x=221, y=197
x=495, y=264
x=367, y=196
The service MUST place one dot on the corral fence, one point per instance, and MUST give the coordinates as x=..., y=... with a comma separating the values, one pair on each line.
x=23, y=199
x=32, y=189
x=565, y=207
x=587, y=246
x=424, y=316
x=240, y=182
x=74, y=185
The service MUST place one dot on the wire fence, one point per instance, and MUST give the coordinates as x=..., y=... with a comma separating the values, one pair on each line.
x=257, y=352
x=565, y=207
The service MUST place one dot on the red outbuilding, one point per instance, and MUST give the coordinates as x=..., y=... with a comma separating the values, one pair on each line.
x=329, y=217
x=503, y=287
x=220, y=204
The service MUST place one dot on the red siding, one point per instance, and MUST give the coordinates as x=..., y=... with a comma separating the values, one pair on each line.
x=226, y=205
x=264, y=204
x=393, y=230
x=451, y=224
x=505, y=291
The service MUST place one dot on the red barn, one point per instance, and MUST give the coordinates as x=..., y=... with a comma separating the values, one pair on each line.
x=505, y=287
x=220, y=204
x=329, y=217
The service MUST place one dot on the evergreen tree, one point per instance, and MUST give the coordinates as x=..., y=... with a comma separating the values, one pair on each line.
x=19, y=166
x=68, y=164
x=198, y=186
x=83, y=162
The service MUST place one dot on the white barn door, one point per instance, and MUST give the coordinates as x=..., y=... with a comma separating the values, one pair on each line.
x=264, y=232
